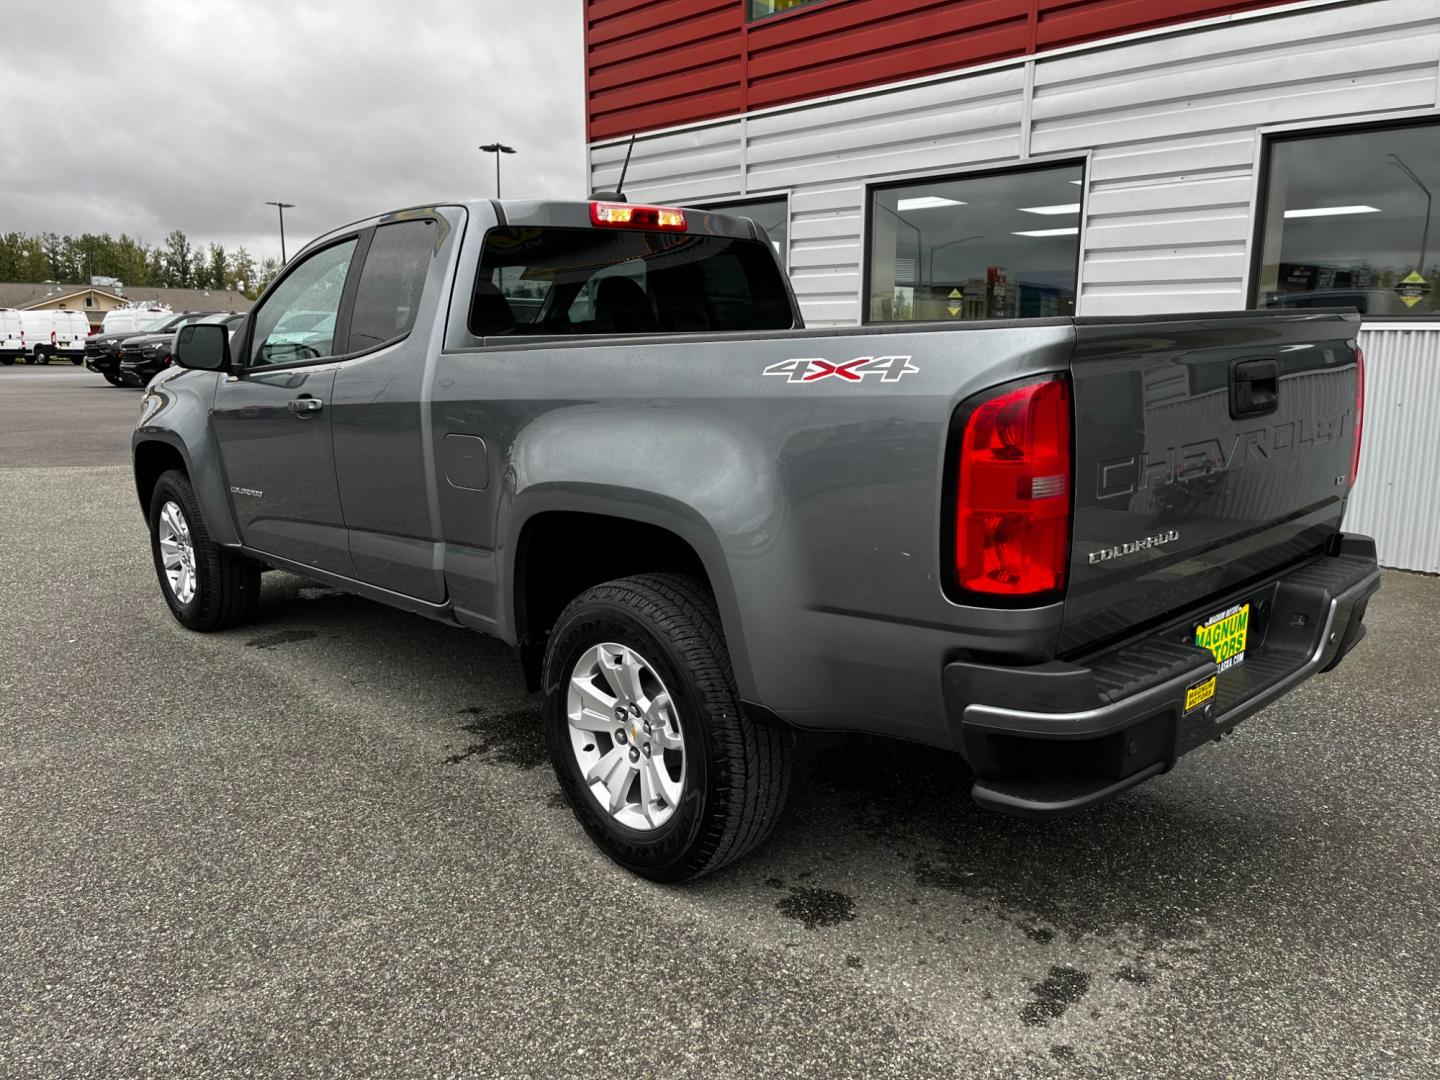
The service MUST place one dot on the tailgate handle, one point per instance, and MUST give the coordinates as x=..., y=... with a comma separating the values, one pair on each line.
x=1254, y=388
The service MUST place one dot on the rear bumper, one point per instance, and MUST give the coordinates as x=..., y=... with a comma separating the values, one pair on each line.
x=1049, y=740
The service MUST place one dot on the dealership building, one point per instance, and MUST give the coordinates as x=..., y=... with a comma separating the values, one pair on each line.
x=954, y=160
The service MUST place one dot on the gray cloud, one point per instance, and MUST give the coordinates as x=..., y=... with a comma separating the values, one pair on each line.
x=178, y=114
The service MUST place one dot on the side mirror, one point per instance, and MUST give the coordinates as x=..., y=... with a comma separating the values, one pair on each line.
x=204, y=346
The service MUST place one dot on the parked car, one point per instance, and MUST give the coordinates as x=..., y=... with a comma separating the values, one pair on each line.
x=51, y=332
x=104, y=352
x=1071, y=550
x=144, y=356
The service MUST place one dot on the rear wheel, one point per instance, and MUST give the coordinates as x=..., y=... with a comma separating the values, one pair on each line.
x=39, y=356
x=205, y=586
x=646, y=732
x=77, y=360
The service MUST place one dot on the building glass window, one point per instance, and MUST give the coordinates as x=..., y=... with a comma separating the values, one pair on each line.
x=772, y=215
x=1349, y=222
x=758, y=9
x=999, y=246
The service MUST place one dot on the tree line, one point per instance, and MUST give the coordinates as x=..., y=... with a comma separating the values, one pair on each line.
x=175, y=264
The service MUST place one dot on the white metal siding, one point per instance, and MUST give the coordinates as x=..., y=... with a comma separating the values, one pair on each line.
x=1174, y=122
x=1171, y=124
x=1397, y=498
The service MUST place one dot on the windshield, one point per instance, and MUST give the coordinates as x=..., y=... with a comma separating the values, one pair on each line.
x=158, y=324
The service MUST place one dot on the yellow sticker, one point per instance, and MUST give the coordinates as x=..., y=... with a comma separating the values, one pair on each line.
x=1200, y=693
x=1226, y=636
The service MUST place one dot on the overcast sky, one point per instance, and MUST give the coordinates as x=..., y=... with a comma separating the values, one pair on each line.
x=141, y=117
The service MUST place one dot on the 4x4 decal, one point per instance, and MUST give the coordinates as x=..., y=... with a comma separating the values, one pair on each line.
x=813, y=369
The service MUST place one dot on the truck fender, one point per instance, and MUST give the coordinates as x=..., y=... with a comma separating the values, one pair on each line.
x=697, y=475
x=176, y=413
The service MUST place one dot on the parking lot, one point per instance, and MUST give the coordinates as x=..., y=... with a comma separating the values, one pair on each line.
x=330, y=843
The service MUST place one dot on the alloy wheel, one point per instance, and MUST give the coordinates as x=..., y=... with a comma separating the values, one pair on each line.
x=177, y=552
x=626, y=736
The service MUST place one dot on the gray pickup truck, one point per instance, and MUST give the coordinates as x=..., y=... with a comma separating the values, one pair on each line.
x=1071, y=550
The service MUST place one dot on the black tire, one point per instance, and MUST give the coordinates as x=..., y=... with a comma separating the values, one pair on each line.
x=39, y=356
x=227, y=584
x=737, y=772
x=77, y=361
x=113, y=380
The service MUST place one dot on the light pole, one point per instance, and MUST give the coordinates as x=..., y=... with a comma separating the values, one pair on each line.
x=1429, y=201
x=282, y=207
x=497, y=149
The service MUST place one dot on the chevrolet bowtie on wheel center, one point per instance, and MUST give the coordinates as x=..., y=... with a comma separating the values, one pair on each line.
x=1070, y=550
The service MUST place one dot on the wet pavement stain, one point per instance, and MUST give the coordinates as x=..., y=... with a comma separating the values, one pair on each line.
x=817, y=907
x=1134, y=975
x=1060, y=989
x=1040, y=934
x=317, y=592
x=504, y=738
x=281, y=637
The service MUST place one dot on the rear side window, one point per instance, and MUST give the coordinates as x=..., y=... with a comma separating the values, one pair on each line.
x=598, y=281
x=391, y=282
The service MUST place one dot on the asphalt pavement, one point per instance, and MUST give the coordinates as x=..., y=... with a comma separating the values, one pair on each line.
x=329, y=844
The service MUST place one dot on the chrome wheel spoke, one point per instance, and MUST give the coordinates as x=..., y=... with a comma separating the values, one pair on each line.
x=618, y=783
x=607, y=764
x=650, y=793
x=664, y=793
x=622, y=672
x=597, y=709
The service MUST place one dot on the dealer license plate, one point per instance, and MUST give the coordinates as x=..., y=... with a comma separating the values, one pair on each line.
x=1225, y=635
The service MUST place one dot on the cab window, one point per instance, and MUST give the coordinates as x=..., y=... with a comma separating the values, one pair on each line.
x=592, y=281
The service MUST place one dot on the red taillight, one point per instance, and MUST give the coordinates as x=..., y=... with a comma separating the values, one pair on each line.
x=625, y=216
x=1012, y=509
x=1359, y=413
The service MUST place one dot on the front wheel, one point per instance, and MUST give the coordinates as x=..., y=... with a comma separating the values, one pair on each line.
x=113, y=380
x=646, y=732
x=39, y=356
x=205, y=586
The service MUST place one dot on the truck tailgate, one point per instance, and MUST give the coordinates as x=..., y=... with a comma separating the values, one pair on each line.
x=1209, y=452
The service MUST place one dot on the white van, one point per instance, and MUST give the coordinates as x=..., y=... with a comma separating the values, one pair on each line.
x=11, y=336
x=48, y=333
x=132, y=320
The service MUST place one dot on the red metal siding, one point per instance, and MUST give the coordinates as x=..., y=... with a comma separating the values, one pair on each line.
x=656, y=63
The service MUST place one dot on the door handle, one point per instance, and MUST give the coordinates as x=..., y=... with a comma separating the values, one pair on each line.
x=306, y=406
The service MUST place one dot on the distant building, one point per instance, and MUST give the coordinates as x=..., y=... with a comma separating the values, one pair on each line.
x=95, y=301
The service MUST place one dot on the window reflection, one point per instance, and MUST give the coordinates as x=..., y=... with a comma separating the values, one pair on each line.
x=760, y=8
x=1000, y=246
x=770, y=214
x=1349, y=222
